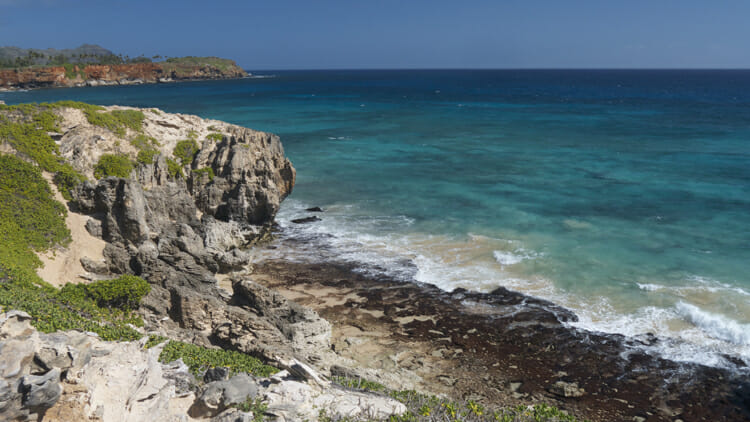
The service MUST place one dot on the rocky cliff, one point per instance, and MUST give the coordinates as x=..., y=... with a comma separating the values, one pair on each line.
x=119, y=74
x=194, y=194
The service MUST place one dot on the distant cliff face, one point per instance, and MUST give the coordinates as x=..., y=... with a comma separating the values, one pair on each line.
x=120, y=74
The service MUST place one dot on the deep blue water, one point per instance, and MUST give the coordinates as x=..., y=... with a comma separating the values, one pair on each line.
x=624, y=195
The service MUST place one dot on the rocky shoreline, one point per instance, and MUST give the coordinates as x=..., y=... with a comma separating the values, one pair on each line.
x=201, y=192
x=501, y=347
x=121, y=74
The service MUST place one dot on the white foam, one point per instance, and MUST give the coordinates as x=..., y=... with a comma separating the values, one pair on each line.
x=389, y=245
x=649, y=287
x=505, y=258
x=715, y=325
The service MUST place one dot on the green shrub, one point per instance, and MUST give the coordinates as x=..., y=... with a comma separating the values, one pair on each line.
x=26, y=201
x=185, y=151
x=147, y=156
x=116, y=120
x=124, y=292
x=174, y=168
x=198, y=173
x=216, y=137
x=66, y=178
x=25, y=127
x=424, y=408
x=199, y=359
x=118, y=165
x=141, y=142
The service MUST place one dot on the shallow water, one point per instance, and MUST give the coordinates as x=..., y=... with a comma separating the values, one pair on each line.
x=624, y=195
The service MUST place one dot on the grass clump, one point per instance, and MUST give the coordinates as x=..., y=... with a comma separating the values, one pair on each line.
x=185, y=151
x=118, y=165
x=199, y=359
x=426, y=408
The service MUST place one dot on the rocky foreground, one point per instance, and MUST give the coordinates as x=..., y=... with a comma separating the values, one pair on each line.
x=182, y=217
x=118, y=74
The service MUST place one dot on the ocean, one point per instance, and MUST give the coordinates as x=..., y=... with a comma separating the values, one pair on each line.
x=623, y=195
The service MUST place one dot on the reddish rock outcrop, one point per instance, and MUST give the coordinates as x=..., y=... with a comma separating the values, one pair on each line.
x=120, y=74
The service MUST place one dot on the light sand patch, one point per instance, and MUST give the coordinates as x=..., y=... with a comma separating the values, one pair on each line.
x=63, y=265
x=412, y=318
x=225, y=282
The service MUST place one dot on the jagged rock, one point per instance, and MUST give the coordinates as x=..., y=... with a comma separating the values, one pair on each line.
x=314, y=209
x=219, y=395
x=234, y=415
x=308, y=333
x=306, y=220
x=566, y=389
x=216, y=374
x=94, y=227
x=40, y=392
x=95, y=267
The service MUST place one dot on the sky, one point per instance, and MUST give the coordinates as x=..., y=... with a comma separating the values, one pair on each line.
x=373, y=34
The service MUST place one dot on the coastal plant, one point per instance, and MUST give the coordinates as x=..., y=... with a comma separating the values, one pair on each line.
x=116, y=121
x=199, y=359
x=216, y=137
x=27, y=128
x=207, y=171
x=141, y=142
x=428, y=408
x=257, y=406
x=174, y=168
x=146, y=156
x=124, y=292
x=118, y=165
x=185, y=151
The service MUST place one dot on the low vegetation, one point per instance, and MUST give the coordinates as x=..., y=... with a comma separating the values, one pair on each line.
x=27, y=128
x=31, y=220
x=118, y=165
x=146, y=156
x=216, y=137
x=182, y=64
x=204, y=172
x=199, y=359
x=426, y=408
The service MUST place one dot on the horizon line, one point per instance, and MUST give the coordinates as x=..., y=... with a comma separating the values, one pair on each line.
x=493, y=68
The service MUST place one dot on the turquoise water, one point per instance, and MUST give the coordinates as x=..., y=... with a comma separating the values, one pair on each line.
x=624, y=195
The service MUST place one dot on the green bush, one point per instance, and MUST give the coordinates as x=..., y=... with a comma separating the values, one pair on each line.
x=66, y=178
x=25, y=127
x=424, y=408
x=216, y=137
x=118, y=165
x=26, y=201
x=124, y=292
x=141, y=142
x=147, y=156
x=185, y=151
x=199, y=359
x=174, y=168
x=206, y=170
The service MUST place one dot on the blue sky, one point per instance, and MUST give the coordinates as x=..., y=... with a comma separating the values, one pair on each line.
x=326, y=34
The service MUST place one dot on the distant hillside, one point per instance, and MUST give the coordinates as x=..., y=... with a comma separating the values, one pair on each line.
x=87, y=53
